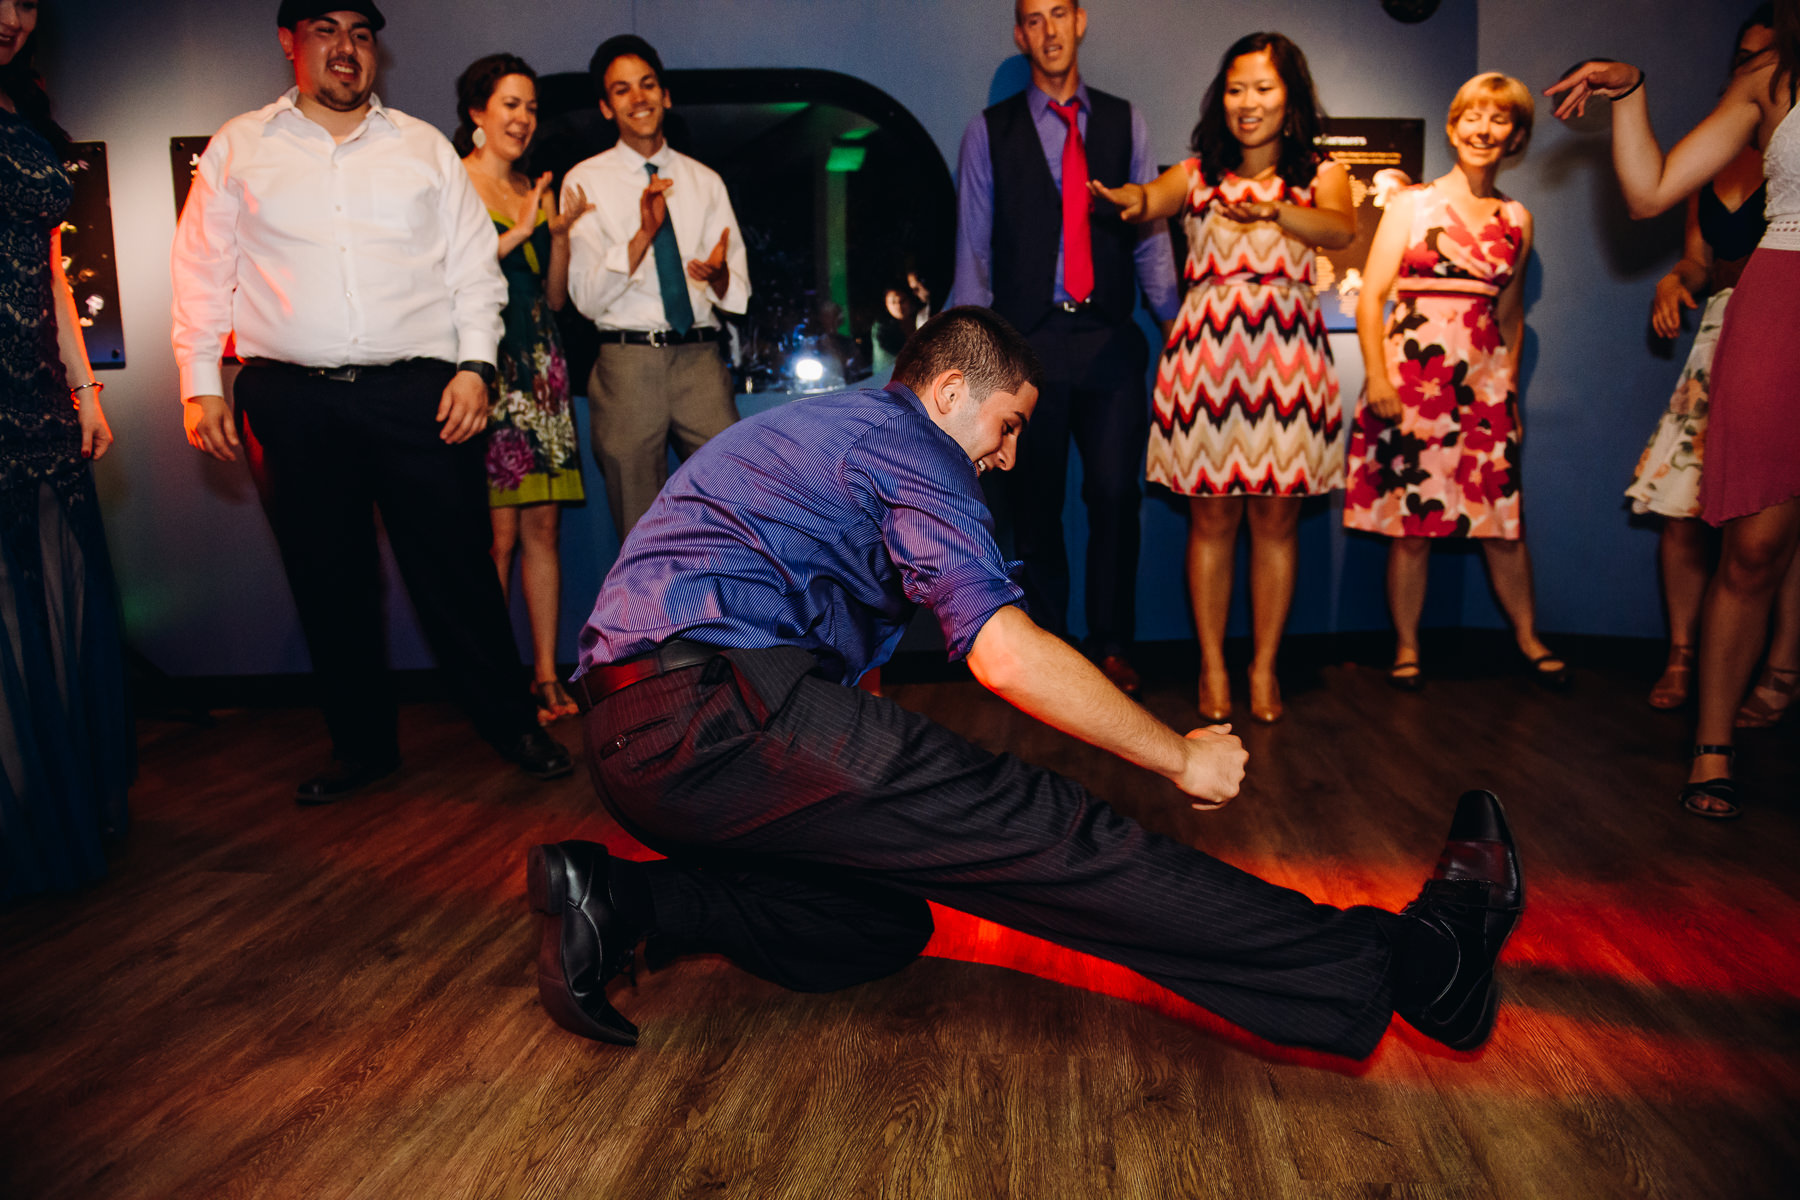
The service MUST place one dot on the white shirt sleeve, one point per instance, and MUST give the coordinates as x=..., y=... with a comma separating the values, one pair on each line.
x=203, y=266
x=471, y=265
x=599, y=262
x=719, y=219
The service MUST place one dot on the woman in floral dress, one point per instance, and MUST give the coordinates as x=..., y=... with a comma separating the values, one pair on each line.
x=1246, y=415
x=533, y=464
x=1434, y=451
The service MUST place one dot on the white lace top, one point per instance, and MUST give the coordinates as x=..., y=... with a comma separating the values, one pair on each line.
x=1781, y=163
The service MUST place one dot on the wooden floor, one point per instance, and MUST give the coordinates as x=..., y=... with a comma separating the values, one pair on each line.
x=265, y=1000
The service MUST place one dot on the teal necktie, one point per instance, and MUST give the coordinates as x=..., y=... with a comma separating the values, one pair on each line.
x=669, y=276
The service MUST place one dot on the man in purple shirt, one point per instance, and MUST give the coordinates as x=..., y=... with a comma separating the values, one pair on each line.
x=1030, y=245
x=807, y=823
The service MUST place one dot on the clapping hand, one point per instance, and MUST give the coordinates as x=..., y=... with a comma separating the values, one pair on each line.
x=653, y=208
x=1129, y=199
x=526, y=217
x=578, y=206
x=713, y=269
x=1596, y=77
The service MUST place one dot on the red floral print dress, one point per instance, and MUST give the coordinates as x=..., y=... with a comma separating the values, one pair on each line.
x=1449, y=466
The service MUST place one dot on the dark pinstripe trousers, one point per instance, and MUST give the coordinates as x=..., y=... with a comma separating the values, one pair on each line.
x=807, y=823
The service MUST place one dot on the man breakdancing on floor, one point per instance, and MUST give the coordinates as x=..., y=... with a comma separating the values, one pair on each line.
x=806, y=822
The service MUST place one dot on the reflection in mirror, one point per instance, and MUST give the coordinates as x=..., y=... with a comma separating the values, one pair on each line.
x=846, y=205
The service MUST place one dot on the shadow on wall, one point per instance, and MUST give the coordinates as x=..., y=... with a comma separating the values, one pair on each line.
x=1010, y=78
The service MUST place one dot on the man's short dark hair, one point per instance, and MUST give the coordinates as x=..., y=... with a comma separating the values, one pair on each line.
x=991, y=354
x=614, y=48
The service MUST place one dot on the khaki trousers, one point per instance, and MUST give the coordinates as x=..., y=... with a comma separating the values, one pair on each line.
x=641, y=397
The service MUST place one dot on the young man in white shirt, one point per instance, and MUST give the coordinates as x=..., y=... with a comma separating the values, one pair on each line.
x=653, y=264
x=342, y=243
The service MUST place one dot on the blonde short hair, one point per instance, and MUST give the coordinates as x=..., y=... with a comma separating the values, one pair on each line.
x=1505, y=91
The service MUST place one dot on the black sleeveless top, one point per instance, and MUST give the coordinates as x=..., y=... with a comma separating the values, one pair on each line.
x=1733, y=235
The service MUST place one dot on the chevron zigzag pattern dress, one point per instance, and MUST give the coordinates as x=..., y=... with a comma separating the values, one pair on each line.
x=1246, y=398
x=1449, y=466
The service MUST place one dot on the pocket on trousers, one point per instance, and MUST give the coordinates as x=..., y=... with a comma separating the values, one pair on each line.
x=644, y=742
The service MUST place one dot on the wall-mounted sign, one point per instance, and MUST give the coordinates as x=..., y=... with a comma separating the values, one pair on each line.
x=184, y=160
x=1383, y=155
x=87, y=248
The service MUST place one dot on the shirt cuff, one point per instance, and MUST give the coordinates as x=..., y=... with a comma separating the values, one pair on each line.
x=202, y=379
x=618, y=258
x=472, y=346
x=966, y=599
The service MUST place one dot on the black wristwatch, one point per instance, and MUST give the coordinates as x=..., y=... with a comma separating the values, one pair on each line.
x=483, y=369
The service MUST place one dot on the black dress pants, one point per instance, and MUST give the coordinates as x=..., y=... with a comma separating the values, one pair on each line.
x=1093, y=395
x=326, y=455
x=807, y=823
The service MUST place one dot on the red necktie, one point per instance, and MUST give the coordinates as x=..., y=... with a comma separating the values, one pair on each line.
x=1078, y=248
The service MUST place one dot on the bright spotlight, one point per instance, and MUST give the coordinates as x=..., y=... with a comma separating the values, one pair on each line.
x=808, y=370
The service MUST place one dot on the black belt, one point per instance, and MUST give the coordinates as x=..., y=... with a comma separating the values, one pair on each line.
x=601, y=681
x=346, y=374
x=658, y=337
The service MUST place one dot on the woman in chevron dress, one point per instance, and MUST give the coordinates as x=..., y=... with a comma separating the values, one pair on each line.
x=1246, y=413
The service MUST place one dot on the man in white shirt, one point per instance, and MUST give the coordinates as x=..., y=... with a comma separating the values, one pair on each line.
x=342, y=243
x=659, y=374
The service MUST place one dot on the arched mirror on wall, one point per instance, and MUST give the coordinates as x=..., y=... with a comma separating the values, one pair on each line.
x=839, y=191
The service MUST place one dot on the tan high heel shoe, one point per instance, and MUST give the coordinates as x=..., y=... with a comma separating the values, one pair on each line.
x=1768, y=701
x=1671, y=691
x=1265, y=705
x=1214, y=706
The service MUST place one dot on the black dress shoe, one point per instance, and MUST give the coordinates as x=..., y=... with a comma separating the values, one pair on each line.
x=586, y=941
x=537, y=753
x=345, y=776
x=1472, y=901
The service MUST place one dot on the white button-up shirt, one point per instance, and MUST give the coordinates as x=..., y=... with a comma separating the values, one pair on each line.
x=601, y=281
x=328, y=254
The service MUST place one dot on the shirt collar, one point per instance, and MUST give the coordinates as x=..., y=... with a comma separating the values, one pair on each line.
x=634, y=161
x=1039, y=100
x=289, y=103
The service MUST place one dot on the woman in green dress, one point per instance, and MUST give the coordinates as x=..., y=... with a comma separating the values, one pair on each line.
x=533, y=464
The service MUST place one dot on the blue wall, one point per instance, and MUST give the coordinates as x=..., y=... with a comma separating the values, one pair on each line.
x=204, y=589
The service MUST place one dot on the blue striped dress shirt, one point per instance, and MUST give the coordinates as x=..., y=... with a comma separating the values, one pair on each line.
x=821, y=524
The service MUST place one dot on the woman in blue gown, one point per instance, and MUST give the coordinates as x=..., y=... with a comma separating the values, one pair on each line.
x=67, y=749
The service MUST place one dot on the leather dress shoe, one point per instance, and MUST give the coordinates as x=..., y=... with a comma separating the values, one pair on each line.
x=1473, y=899
x=537, y=754
x=345, y=776
x=586, y=941
x=1121, y=674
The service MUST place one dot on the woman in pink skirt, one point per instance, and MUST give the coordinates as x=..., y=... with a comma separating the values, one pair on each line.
x=1750, y=486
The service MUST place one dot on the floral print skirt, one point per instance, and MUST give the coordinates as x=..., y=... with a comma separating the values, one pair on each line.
x=1667, y=480
x=531, y=453
x=1449, y=466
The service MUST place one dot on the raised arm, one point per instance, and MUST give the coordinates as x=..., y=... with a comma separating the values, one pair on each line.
x=1039, y=674
x=1157, y=200
x=1651, y=181
x=1378, y=276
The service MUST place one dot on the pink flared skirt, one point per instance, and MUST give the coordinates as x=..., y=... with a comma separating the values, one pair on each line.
x=1753, y=431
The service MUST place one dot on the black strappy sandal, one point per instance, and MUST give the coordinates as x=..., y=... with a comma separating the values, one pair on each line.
x=1721, y=791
